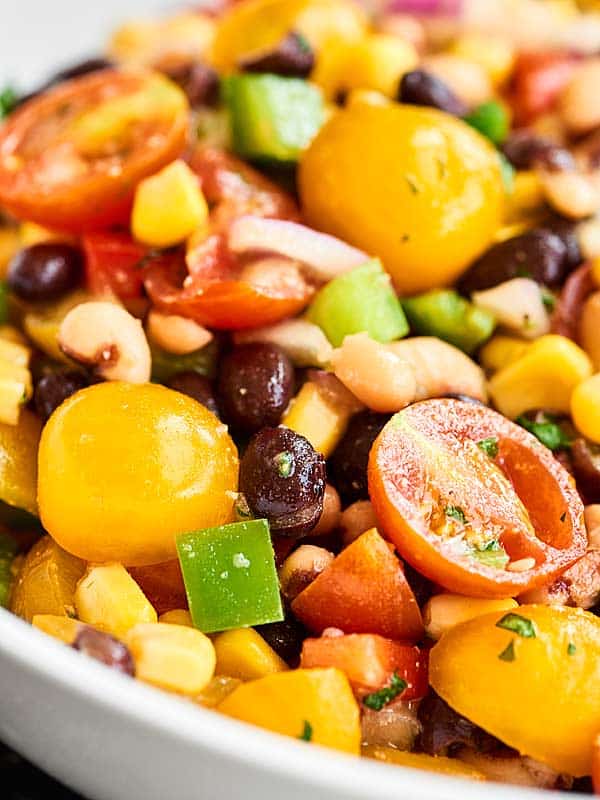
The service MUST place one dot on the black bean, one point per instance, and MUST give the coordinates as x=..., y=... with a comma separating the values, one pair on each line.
x=445, y=731
x=197, y=386
x=199, y=82
x=105, y=648
x=347, y=467
x=523, y=148
x=292, y=57
x=539, y=254
x=283, y=479
x=285, y=638
x=45, y=271
x=567, y=230
x=421, y=88
x=54, y=388
x=255, y=385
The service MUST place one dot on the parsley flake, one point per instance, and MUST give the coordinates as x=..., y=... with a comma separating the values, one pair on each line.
x=489, y=446
x=378, y=700
x=455, y=512
x=307, y=732
x=547, y=431
x=571, y=649
x=508, y=654
x=8, y=100
x=517, y=624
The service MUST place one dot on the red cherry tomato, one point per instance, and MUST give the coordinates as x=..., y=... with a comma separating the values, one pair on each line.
x=538, y=79
x=452, y=483
x=70, y=158
x=219, y=291
x=114, y=265
x=370, y=661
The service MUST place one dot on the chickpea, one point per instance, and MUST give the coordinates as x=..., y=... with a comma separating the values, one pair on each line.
x=332, y=509
x=580, y=102
x=301, y=568
x=356, y=519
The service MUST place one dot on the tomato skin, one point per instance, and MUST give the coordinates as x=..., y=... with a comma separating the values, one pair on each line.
x=362, y=591
x=538, y=79
x=399, y=479
x=369, y=662
x=113, y=264
x=80, y=202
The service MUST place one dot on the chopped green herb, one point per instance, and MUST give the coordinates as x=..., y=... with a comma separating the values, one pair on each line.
x=378, y=700
x=548, y=432
x=455, y=512
x=8, y=100
x=284, y=464
x=491, y=120
x=413, y=186
x=492, y=555
x=563, y=516
x=508, y=654
x=517, y=624
x=307, y=732
x=489, y=446
x=571, y=649
x=548, y=298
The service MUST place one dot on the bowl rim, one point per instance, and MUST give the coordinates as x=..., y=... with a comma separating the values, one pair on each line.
x=317, y=767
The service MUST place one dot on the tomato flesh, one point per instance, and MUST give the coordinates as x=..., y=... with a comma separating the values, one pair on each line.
x=446, y=503
x=538, y=79
x=70, y=158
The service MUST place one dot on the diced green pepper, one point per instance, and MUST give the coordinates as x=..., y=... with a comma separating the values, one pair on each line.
x=230, y=576
x=447, y=315
x=491, y=120
x=8, y=549
x=165, y=365
x=360, y=300
x=272, y=118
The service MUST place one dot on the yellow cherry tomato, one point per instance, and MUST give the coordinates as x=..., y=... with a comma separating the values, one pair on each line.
x=414, y=186
x=123, y=468
x=531, y=677
x=253, y=26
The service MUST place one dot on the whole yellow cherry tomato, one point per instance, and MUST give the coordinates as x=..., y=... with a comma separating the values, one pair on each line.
x=414, y=186
x=18, y=461
x=123, y=468
x=253, y=26
x=531, y=677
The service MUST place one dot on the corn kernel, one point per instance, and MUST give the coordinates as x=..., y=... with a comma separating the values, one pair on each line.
x=585, y=408
x=443, y=611
x=244, y=654
x=494, y=54
x=312, y=416
x=501, y=351
x=108, y=598
x=366, y=97
x=173, y=657
x=217, y=690
x=178, y=616
x=543, y=377
x=168, y=206
x=63, y=628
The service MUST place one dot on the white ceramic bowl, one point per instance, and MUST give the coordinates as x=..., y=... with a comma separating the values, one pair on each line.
x=112, y=738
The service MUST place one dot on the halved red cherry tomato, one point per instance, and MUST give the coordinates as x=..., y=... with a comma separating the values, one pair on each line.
x=234, y=189
x=114, y=264
x=370, y=661
x=538, y=79
x=473, y=501
x=220, y=291
x=216, y=295
x=70, y=158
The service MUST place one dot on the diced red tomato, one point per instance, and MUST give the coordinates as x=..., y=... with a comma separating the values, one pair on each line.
x=538, y=79
x=369, y=661
x=362, y=591
x=443, y=500
x=162, y=584
x=114, y=264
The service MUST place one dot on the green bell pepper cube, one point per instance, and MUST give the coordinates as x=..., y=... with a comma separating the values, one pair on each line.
x=272, y=118
x=447, y=315
x=362, y=300
x=230, y=576
x=491, y=120
x=8, y=549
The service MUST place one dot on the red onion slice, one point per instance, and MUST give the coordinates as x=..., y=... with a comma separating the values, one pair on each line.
x=324, y=256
